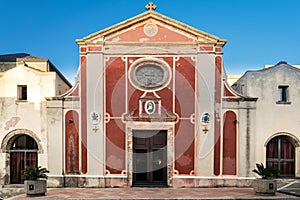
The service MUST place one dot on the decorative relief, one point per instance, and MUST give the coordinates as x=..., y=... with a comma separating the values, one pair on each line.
x=150, y=6
x=95, y=129
x=194, y=58
x=192, y=173
x=150, y=29
x=106, y=58
x=149, y=74
x=150, y=107
x=107, y=117
x=205, y=118
x=95, y=118
x=193, y=118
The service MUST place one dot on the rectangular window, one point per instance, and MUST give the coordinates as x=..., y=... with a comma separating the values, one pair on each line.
x=22, y=92
x=283, y=95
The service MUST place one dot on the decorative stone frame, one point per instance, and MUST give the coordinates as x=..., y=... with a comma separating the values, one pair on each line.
x=6, y=145
x=8, y=139
x=169, y=126
x=295, y=140
x=149, y=60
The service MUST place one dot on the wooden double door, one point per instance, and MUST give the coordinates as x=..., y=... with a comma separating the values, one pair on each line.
x=19, y=159
x=150, y=158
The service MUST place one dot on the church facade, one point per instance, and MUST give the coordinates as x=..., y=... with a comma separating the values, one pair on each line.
x=153, y=109
x=151, y=106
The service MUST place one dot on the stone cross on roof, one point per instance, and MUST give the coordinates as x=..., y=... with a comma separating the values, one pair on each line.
x=150, y=6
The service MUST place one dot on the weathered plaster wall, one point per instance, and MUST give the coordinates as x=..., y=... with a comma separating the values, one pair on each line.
x=30, y=114
x=205, y=103
x=95, y=103
x=273, y=118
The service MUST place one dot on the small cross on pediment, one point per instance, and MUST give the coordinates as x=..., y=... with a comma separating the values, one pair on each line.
x=150, y=6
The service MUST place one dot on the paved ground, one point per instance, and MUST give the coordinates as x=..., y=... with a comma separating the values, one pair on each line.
x=292, y=187
x=153, y=193
x=9, y=192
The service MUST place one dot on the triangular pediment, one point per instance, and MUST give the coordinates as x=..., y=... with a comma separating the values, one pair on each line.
x=151, y=26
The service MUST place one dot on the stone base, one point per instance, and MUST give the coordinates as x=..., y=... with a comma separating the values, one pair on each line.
x=265, y=186
x=192, y=182
x=78, y=181
x=120, y=181
x=38, y=187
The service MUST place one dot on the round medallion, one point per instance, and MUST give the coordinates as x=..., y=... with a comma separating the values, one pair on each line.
x=150, y=29
x=149, y=107
x=205, y=119
x=149, y=74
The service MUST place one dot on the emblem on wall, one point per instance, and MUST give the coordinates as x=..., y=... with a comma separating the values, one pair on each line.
x=149, y=107
x=205, y=119
x=149, y=74
x=150, y=29
x=95, y=117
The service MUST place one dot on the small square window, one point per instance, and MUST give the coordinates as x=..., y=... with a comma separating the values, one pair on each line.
x=22, y=92
x=283, y=94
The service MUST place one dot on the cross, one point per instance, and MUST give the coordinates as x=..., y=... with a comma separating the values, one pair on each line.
x=150, y=6
x=205, y=130
x=95, y=129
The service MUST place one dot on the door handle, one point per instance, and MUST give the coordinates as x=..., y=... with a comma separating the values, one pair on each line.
x=157, y=161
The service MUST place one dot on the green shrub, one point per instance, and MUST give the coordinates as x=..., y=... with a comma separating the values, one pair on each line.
x=266, y=172
x=34, y=173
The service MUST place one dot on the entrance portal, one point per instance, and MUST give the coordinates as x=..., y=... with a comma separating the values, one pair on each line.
x=150, y=158
x=23, y=152
x=281, y=154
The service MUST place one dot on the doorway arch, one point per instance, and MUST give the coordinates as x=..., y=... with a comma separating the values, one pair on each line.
x=281, y=154
x=23, y=152
x=21, y=147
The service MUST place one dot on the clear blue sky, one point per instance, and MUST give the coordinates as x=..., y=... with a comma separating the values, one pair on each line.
x=258, y=32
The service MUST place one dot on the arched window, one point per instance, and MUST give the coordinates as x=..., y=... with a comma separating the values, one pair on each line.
x=23, y=152
x=281, y=154
x=23, y=142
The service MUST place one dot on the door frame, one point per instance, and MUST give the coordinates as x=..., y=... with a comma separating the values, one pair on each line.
x=167, y=126
x=279, y=159
x=25, y=152
x=149, y=146
x=7, y=142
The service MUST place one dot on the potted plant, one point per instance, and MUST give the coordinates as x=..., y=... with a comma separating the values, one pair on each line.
x=266, y=184
x=35, y=180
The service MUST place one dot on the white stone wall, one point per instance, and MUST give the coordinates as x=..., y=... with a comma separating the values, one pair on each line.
x=205, y=103
x=95, y=103
x=28, y=115
x=272, y=118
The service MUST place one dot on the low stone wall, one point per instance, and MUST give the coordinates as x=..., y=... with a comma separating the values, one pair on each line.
x=211, y=182
x=87, y=182
x=7, y=192
x=116, y=181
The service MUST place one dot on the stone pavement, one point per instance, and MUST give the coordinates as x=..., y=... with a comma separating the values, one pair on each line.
x=153, y=193
x=6, y=192
x=292, y=187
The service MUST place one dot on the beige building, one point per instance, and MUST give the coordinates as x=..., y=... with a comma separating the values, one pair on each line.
x=25, y=81
x=277, y=124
